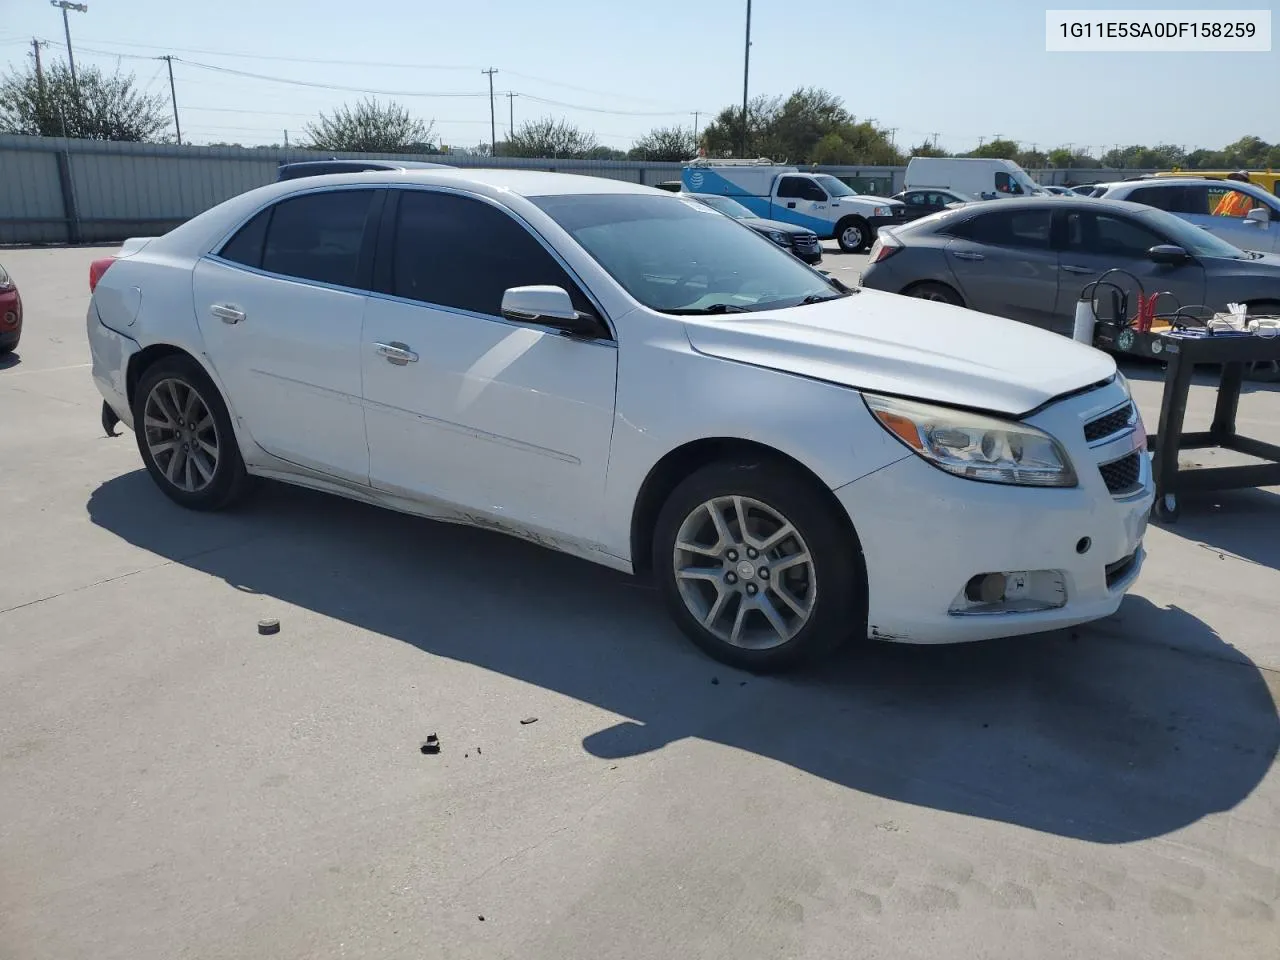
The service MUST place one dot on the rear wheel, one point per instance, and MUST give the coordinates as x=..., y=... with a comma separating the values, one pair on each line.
x=757, y=567
x=854, y=235
x=938, y=292
x=185, y=436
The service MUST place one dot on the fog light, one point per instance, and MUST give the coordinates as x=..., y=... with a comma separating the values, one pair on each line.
x=985, y=588
x=10, y=318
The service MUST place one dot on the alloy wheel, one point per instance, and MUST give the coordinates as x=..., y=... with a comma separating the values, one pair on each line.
x=744, y=572
x=181, y=435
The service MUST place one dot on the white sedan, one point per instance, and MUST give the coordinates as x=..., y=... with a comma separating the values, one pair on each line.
x=630, y=377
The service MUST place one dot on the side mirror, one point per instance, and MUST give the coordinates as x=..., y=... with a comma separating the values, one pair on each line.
x=550, y=306
x=1168, y=254
x=1259, y=215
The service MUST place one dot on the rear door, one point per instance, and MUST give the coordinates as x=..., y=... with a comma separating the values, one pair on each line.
x=1005, y=264
x=280, y=307
x=1093, y=241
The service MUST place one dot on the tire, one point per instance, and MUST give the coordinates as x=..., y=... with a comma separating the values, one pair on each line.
x=827, y=593
x=203, y=469
x=854, y=235
x=938, y=292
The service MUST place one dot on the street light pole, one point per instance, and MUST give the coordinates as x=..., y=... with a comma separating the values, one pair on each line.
x=64, y=5
x=746, y=72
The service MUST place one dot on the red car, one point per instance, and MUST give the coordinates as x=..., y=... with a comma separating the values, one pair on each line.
x=10, y=313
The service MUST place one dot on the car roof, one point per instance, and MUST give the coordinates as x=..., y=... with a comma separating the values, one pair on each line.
x=1186, y=182
x=524, y=183
x=1044, y=203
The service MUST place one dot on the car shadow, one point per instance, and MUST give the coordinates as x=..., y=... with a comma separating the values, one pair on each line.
x=1126, y=730
x=1240, y=523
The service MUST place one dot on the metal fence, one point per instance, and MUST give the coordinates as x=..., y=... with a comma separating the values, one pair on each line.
x=88, y=191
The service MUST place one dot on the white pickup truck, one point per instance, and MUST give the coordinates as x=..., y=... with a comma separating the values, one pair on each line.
x=818, y=201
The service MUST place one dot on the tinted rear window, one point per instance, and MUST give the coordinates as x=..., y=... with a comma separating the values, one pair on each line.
x=318, y=236
x=246, y=246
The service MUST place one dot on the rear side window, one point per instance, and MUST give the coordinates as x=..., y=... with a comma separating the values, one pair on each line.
x=246, y=246
x=463, y=253
x=1026, y=229
x=1162, y=198
x=318, y=236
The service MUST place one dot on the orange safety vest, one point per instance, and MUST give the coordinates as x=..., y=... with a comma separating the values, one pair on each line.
x=1234, y=204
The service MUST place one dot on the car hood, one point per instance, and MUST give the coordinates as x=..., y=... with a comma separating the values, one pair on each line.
x=886, y=343
x=790, y=229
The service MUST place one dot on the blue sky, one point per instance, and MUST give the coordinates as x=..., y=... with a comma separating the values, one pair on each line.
x=961, y=68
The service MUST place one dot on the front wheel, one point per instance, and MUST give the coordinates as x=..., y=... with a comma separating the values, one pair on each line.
x=854, y=235
x=185, y=436
x=758, y=568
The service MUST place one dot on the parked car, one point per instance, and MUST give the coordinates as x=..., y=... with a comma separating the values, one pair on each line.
x=317, y=168
x=1028, y=259
x=800, y=241
x=816, y=201
x=1269, y=180
x=10, y=313
x=921, y=203
x=1057, y=191
x=982, y=178
x=614, y=372
x=1084, y=189
x=1251, y=225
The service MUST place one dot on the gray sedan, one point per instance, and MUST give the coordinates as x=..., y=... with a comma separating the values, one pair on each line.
x=1028, y=259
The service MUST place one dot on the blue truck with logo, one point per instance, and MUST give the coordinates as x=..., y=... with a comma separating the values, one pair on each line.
x=827, y=206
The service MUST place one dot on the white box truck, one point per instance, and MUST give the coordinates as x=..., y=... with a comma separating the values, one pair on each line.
x=818, y=201
x=978, y=177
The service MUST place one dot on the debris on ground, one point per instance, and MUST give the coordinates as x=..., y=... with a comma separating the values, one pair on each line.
x=268, y=627
x=477, y=751
x=528, y=720
x=480, y=917
x=432, y=744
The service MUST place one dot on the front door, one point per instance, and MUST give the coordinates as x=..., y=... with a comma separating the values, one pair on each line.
x=1005, y=264
x=280, y=307
x=1093, y=242
x=507, y=420
x=801, y=201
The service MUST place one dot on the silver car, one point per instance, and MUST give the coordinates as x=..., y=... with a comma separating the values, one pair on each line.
x=1195, y=199
x=1029, y=258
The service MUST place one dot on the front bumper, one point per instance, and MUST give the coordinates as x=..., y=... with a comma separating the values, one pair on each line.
x=110, y=352
x=809, y=253
x=926, y=533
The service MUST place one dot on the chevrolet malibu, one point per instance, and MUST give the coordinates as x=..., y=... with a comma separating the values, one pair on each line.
x=627, y=376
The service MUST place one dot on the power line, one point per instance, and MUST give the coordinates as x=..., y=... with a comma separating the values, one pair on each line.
x=327, y=86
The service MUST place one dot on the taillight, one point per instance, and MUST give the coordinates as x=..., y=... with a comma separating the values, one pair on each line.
x=96, y=269
x=883, y=249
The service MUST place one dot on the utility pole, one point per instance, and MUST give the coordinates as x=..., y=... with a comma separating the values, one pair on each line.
x=35, y=52
x=695, y=130
x=64, y=5
x=511, y=114
x=935, y=140
x=892, y=140
x=173, y=98
x=746, y=72
x=493, y=123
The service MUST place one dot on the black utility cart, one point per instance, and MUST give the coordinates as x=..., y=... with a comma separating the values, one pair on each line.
x=1183, y=349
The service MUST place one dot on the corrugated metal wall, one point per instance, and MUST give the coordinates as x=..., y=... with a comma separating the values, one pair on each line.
x=85, y=191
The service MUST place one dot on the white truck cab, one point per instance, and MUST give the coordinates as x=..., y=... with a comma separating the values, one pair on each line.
x=982, y=177
x=818, y=201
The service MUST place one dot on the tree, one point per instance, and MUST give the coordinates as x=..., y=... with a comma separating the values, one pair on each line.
x=997, y=150
x=97, y=107
x=927, y=149
x=665, y=143
x=371, y=127
x=810, y=126
x=550, y=138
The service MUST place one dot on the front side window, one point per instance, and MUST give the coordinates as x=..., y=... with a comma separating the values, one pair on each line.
x=1006, y=184
x=793, y=188
x=1025, y=229
x=1226, y=202
x=676, y=256
x=459, y=252
x=317, y=236
x=1197, y=242
x=1108, y=235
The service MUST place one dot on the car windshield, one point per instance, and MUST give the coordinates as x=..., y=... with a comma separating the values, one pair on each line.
x=730, y=207
x=676, y=255
x=834, y=187
x=1200, y=243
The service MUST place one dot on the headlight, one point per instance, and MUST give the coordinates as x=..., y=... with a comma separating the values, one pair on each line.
x=1124, y=382
x=5, y=282
x=780, y=238
x=882, y=212
x=974, y=446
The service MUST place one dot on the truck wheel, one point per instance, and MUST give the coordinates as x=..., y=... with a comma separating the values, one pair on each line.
x=854, y=235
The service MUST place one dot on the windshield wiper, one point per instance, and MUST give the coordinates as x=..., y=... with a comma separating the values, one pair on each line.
x=713, y=308
x=820, y=298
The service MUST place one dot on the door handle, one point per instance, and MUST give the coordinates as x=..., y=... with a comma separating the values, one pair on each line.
x=1074, y=269
x=967, y=255
x=791, y=205
x=396, y=352
x=227, y=313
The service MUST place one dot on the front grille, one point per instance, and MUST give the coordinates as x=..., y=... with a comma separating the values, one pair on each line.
x=807, y=243
x=1108, y=423
x=1121, y=476
x=1118, y=570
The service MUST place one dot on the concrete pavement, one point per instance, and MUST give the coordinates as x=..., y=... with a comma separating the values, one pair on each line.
x=173, y=785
